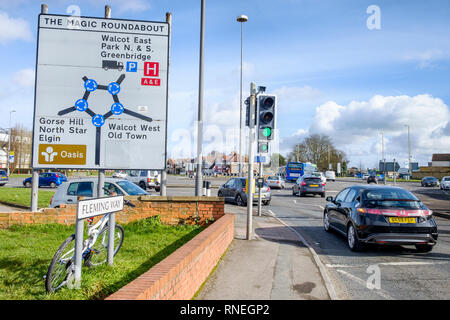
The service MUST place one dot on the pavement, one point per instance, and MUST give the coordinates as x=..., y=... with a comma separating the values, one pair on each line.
x=275, y=265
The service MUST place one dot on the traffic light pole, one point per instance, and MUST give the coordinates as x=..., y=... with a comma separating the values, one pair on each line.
x=251, y=156
x=259, y=187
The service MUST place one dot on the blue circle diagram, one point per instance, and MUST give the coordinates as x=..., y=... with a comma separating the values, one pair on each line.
x=117, y=108
x=98, y=120
x=90, y=85
x=114, y=88
x=81, y=105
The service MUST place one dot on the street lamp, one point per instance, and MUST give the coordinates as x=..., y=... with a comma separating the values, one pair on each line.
x=409, y=153
x=242, y=18
x=9, y=139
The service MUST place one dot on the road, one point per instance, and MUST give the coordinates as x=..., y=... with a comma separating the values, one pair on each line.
x=404, y=273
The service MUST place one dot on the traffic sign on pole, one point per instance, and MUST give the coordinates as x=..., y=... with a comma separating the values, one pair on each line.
x=101, y=93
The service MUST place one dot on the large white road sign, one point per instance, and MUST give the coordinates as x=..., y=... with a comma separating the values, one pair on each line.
x=101, y=93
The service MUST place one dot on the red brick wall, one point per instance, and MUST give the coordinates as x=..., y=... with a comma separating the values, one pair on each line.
x=172, y=210
x=180, y=275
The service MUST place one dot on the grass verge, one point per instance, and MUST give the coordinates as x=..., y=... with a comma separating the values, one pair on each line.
x=26, y=253
x=22, y=196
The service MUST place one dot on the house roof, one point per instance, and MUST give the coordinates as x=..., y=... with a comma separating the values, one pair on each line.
x=441, y=157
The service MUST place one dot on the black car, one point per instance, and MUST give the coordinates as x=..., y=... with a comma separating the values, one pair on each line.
x=234, y=190
x=3, y=178
x=380, y=215
x=429, y=182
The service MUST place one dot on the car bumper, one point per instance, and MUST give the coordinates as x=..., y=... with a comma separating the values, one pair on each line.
x=402, y=238
x=264, y=197
x=312, y=190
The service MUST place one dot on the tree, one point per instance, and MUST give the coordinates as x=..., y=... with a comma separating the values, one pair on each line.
x=318, y=149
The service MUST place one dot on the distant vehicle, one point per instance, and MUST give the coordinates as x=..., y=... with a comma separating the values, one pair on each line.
x=276, y=182
x=330, y=175
x=47, y=179
x=380, y=215
x=429, y=182
x=3, y=178
x=372, y=179
x=145, y=179
x=68, y=192
x=111, y=64
x=295, y=170
x=318, y=175
x=308, y=185
x=445, y=183
x=119, y=174
x=365, y=176
x=234, y=190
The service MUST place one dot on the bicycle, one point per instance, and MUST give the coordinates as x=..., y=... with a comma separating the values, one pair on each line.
x=62, y=268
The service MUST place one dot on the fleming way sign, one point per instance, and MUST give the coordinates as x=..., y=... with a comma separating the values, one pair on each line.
x=101, y=93
x=95, y=207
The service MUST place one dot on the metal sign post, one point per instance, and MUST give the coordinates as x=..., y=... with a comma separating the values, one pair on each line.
x=250, y=162
x=88, y=209
x=260, y=186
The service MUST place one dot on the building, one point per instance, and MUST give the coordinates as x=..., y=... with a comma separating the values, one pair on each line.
x=440, y=160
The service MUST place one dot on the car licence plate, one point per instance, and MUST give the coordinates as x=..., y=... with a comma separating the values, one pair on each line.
x=313, y=185
x=402, y=220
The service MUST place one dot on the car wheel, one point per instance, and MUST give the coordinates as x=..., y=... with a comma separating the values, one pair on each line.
x=157, y=189
x=28, y=184
x=301, y=194
x=266, y=203
x=352, y=240
x=326, y=222
x=142, y=185
x=424, y=247
x=219, y=194
x=239, y=201
x=293, y=192
x=323, y=195
x=52, y=185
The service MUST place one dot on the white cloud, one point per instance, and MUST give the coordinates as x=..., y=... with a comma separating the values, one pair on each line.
x=426, y=58
x=12, y=29
x=24, y=78
x=356, y=127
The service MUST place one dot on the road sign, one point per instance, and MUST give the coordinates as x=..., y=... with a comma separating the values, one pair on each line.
x=11, y=157
x=259, y=159
x=101, y=93
x=95, y=207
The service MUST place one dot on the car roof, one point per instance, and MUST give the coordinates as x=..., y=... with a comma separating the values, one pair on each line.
x=108, y=179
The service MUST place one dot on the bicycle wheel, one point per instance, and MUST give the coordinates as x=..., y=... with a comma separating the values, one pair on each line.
x=61, y=266
x=99, y=251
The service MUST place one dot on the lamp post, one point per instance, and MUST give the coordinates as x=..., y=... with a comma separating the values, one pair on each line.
x=242, y=18
x=409, y=153
x=9, y=139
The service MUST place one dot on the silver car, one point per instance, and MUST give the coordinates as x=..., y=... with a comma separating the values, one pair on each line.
x=308, y=185
x=445, y=183
x=276, y=182
x=69, y=191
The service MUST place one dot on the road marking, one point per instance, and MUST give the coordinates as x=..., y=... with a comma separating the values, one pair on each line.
x=295, y=201
x=363, y=283
x=408, y=263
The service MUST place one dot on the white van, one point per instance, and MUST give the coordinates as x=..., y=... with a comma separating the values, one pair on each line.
x=330, y=175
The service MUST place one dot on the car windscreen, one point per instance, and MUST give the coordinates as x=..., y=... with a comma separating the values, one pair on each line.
x=390, y=198
x=130, y=188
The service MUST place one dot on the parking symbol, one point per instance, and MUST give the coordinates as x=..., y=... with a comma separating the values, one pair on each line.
x=131, y=66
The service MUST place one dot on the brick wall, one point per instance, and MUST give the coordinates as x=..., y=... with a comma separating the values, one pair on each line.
x=437, y=172
x=172, y=210
x=180, y=275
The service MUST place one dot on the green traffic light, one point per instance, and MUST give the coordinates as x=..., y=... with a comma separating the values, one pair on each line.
x=267, y=132
x=264, y=147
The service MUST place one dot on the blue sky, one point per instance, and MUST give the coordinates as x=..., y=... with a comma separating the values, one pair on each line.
x=314, y=54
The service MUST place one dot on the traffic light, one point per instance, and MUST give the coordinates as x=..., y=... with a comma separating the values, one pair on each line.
x=263, y=147
x=266, y=117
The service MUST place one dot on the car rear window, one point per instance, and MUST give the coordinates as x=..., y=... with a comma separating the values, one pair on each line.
x=273, y=178
x=80, y=189
x=313, y=180
x=2, y=173
x=391, y=198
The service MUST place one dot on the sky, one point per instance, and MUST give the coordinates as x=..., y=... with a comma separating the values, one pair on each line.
x=350, y=69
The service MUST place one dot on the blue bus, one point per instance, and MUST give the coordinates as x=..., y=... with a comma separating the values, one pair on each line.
x=295, y=170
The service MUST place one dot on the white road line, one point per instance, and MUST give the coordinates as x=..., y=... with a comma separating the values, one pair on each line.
x=363, y=283
x=408, y=263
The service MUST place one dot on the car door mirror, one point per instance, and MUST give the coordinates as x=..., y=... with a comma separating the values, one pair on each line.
x=330, y=199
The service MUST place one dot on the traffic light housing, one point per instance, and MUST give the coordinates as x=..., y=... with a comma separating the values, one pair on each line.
x=263, y=147
x=266, y=107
